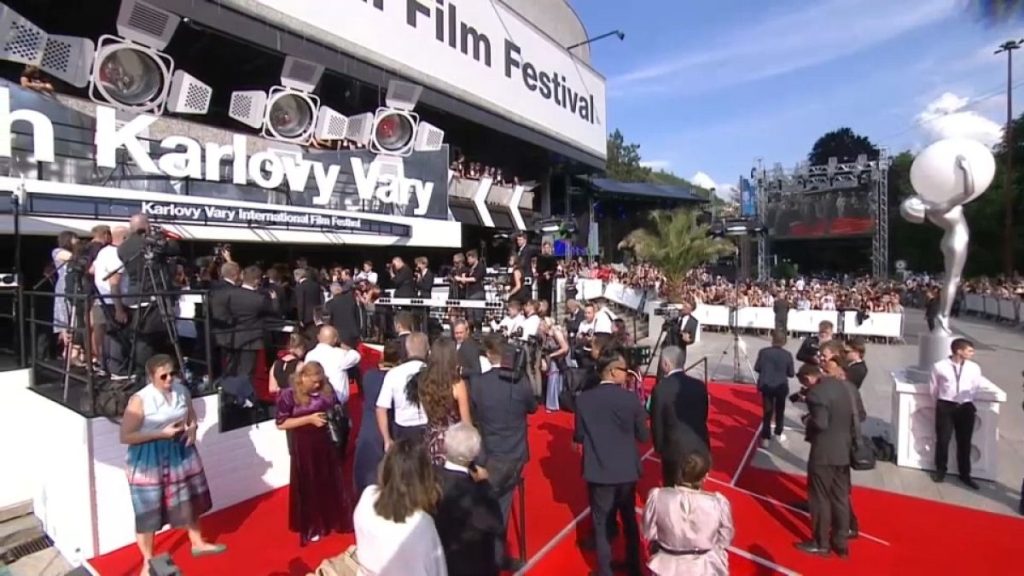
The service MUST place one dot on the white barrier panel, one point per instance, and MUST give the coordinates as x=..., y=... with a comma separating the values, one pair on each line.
x=877, y=324
x=975, y=303
x=807, y=321
x=625, y=295
x=589, y=288
x=1008, y=309
x=186, y=315
x=991, y=306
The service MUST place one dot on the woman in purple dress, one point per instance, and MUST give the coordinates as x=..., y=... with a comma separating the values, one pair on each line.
x=317, y=502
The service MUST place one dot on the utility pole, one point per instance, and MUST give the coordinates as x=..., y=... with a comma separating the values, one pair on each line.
x=1008, y=192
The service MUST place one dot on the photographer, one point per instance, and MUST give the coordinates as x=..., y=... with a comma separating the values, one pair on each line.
x=471, y=280
x=681, y=331
x=500, y=404
x=147, y=255
x=810, y=349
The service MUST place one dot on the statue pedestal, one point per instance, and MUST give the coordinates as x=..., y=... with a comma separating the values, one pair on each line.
x=930, y=349
x=913, y=413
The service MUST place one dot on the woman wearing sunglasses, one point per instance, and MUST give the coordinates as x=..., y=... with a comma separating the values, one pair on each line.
x=165, y=474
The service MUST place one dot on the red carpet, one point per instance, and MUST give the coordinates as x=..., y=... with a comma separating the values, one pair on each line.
x=972, y=542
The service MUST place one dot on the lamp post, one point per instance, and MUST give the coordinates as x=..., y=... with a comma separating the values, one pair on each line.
x=1008, y=193
x=619, y=33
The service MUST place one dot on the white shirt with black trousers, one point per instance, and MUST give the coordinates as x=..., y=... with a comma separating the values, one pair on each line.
x=954, y=386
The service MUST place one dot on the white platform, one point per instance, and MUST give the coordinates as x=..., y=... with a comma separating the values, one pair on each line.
x=913, y=410
x=72, y=467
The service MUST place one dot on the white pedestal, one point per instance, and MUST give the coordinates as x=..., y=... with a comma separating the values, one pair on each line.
x=913, y=413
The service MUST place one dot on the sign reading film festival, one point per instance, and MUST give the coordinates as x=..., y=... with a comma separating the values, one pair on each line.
x=350, y=180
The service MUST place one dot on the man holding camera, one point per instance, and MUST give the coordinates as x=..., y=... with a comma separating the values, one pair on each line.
x=500, y=404
x=811, y=347
x=682, y=331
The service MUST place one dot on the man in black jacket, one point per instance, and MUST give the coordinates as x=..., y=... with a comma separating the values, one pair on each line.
x=811, y=346
x=609, y=422
x=249, y=308
x=468, y=518
x=829, y=425
x=500, y=407
x=774, y=367
x=679, y=415
x=402, y=279
x=467, y=352
x=308, y=297
x=682, y=331
x=345, y=316
x=471, y=279
x=856, y=370
x=781, y=309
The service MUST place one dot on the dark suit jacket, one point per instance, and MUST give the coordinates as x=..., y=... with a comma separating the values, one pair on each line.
x=526, y=255
x=809, y=349
x=609, y=422
x=250, y=309
x=220, y=315
x=468, y=521
x=345, y=315
x=679, y=412
x=781, y=309
x=499, y=409
x=468, y=357
x=687, y=325
x=476, y=290
x=856, y=373
x=402, y=352
x=404, y=284
x=308, y=297
x=830, y=421
x=774, y=367
x=425, y=285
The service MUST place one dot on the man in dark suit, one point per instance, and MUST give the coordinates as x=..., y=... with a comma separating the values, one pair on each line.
x=472, y=281
x=308, y=297
x=423, y=279
x=345, y=316
x=811, y=346
x=781, y=308
x=829, y=425
x=250, y=308
x=547, y=265
x=609, y=422
x=526, y=252
x=774, y=367
x=682, y=331
x=679, y=415
x=856, y=370
x=222, y=323
x=467, y=352
x=500, y=407
x=468, y=516
x=402, y=279
x=403, y=326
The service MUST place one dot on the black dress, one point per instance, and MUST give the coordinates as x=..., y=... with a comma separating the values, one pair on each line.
x=284, y=370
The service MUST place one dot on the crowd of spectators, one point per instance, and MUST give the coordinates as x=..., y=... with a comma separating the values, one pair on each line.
x=464, y=168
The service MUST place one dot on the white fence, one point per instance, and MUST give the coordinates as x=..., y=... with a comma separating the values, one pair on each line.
x=876, y=325
x=589, y=288
x=1003, y=309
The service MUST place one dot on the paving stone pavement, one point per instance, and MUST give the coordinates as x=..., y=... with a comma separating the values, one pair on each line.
x=1000, y=352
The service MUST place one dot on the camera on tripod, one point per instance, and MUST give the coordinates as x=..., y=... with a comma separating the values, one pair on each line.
x=156, y=241
x=669, y=311
x=513, y=361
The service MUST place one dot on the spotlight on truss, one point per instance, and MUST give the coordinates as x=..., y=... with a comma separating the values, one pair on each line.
x=394, y=129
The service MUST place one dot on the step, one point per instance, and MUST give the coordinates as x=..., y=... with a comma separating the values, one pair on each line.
x=15, y=511
x=47, y=562
x=19, y=531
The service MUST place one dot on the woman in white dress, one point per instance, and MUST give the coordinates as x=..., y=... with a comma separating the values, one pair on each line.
x=395, y=534
x=689, y=530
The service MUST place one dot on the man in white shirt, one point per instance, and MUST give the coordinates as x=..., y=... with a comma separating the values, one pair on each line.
x=604, y=320
x=335, y=360
x=586, y=329
x=512, y=321
x=410, y=419
x=367, y=273
x=110, y=284
x=954, y=383
x=531, y=323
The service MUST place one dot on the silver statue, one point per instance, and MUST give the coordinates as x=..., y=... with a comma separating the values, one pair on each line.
x=946, y=176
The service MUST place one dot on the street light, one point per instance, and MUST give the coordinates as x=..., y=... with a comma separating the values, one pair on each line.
x=619, y=33
x=1008, y=196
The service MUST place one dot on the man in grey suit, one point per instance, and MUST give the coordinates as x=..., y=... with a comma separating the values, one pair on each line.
x=829, y=425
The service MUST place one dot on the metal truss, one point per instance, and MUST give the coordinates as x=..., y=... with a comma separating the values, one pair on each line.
x=804, y=179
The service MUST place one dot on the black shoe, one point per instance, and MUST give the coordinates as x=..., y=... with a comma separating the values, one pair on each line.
x=853, y=534
x=812, y=547
x=969, y=482
x=843, y=554
x=939, y=477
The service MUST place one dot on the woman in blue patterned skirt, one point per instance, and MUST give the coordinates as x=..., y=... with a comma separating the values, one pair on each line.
x=165, y=474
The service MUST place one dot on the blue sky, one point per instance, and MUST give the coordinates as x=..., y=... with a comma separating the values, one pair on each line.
x=711, y=85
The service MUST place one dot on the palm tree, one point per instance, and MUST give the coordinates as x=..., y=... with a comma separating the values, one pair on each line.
x=676, y=243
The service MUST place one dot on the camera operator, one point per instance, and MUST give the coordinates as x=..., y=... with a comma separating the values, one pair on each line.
x=682, y=330
x=585, y=337
x=512, y=322
x=456, y=289
x=110, y=285
x=500, y=404
x=147, y=246
x=810, y=349
x=471, y=281
x=573, y=318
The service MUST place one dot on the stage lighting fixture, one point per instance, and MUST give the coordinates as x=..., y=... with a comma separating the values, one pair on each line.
x=66, y=58
x=130, y=72
x=395, y=130
x=290, y=112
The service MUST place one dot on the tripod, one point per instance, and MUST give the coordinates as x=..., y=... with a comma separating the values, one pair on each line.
x=738, y=347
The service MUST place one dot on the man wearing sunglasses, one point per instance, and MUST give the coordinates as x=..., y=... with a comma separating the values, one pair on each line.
x=610, y=420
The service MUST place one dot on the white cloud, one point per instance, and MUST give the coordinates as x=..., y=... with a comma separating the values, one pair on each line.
x=726, y=192
x=656, y=164
x=820, y=32
x=948, y=116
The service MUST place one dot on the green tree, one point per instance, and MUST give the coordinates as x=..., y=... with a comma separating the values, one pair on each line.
x=844, y=144
x=623, y=162
x=676, y=243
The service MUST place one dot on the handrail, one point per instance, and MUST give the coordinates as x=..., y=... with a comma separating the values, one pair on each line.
x=703, y=361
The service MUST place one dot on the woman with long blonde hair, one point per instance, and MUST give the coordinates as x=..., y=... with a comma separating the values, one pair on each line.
x=443, y=395
x=317, y=501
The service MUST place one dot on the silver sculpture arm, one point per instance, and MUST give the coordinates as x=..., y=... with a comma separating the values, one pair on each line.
x=965, y=166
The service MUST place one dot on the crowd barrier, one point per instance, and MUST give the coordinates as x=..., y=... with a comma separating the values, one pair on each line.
x=591, y=288
x=1004, y=309
x=876, y=325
